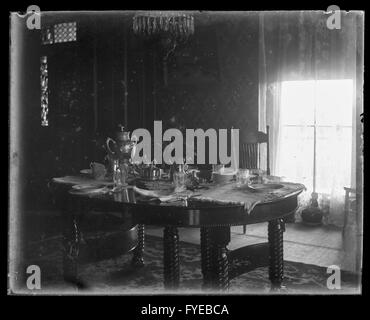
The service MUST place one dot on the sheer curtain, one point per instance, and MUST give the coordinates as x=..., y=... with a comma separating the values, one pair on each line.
x=307, y=95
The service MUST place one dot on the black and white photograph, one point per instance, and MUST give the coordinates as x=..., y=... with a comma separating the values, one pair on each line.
x=184, y=152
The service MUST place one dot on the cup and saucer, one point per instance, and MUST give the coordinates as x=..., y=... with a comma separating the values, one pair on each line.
x=223, y=175
x=86, y=172
x=97, y=171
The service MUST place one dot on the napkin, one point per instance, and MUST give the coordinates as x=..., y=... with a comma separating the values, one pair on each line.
x=90, y=190
x=164, y=195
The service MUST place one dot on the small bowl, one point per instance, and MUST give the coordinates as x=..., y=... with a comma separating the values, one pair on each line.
x=222, y=177
x=271, y=179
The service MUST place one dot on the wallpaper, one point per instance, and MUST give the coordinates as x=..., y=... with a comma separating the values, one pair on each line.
x=223, y=90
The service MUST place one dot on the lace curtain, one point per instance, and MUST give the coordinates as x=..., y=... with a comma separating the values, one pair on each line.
x=307, y=95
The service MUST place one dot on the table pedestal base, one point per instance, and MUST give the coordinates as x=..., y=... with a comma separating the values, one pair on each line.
x=71, y=251
x=215, y=264
x=171, y=261
x=276, y=253
x=206, y=258
x=215, y=257
x=138, y=256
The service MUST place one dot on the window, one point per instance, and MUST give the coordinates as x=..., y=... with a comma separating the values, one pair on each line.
x=59, y=33
x=316, y=133
x=65, y=32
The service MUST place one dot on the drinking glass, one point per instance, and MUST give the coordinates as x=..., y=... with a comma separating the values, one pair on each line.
x=120, y=174
x=259, y=175
x=242, y=177
x=217, y=167
x=272, y=179
x=179, y=180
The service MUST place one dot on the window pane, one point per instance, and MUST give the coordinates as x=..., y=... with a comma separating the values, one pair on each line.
x=297, y=100
x=65, y=32
x=333, y=157
x=334, y=102
x=295, y=155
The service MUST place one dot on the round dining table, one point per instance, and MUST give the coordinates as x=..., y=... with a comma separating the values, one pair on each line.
x=214, y=221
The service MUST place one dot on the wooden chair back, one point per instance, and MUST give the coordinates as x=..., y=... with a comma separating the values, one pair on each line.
x=249, y=150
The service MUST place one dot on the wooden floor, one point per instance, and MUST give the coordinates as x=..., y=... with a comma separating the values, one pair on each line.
x=320, y=246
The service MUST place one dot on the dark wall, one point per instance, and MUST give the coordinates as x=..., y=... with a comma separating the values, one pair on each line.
x=85, y=101
x=63, y=146
x=212, y=82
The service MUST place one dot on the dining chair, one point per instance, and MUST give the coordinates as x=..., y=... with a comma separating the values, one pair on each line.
x=350, y=210
x=92, y=233
x=249, y=152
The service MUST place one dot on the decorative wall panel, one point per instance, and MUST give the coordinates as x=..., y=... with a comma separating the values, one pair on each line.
x=44, y=83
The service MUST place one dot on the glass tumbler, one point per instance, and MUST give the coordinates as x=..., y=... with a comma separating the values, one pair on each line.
x=218, y=167
x=179, y=180
x=242, y=177
x=120, y=174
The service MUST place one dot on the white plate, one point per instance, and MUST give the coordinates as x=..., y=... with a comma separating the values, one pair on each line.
x=89, y=191
x=86, y=171
x=265, y=186
x=86, y=187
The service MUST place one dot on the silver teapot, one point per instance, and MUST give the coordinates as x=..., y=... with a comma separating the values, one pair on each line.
x=123, y=147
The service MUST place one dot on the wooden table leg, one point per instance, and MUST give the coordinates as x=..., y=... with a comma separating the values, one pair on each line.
x=75, y=212
x=219, y=239
x=171, y=262
x=138, y=257
x=71, y=249
x=206, y=256
x=276, y=253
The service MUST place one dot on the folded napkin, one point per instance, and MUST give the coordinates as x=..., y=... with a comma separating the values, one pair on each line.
x=164, y=195
x=154, y=185
x=73, y=180
x=91, y=190
x=229, y=193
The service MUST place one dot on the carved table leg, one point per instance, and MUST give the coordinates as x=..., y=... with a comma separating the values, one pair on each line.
x=206, y=256
x=220, y=238
x=276, y=253
x=138, y=259
x=171, y=261
x=71, y=248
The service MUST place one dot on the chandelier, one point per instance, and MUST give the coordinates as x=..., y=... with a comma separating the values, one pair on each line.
x=174, y=25
x=169, y=28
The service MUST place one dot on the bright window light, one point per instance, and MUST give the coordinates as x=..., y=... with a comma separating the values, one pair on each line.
x=316, y=133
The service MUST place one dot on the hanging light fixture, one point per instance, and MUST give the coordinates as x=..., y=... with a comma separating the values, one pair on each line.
x=176, y=25
x=169, y=28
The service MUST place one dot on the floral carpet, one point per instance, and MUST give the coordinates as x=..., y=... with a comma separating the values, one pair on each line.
x=116, y=276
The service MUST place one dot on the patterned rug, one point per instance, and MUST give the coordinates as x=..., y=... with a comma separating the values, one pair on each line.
x=115, y=275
